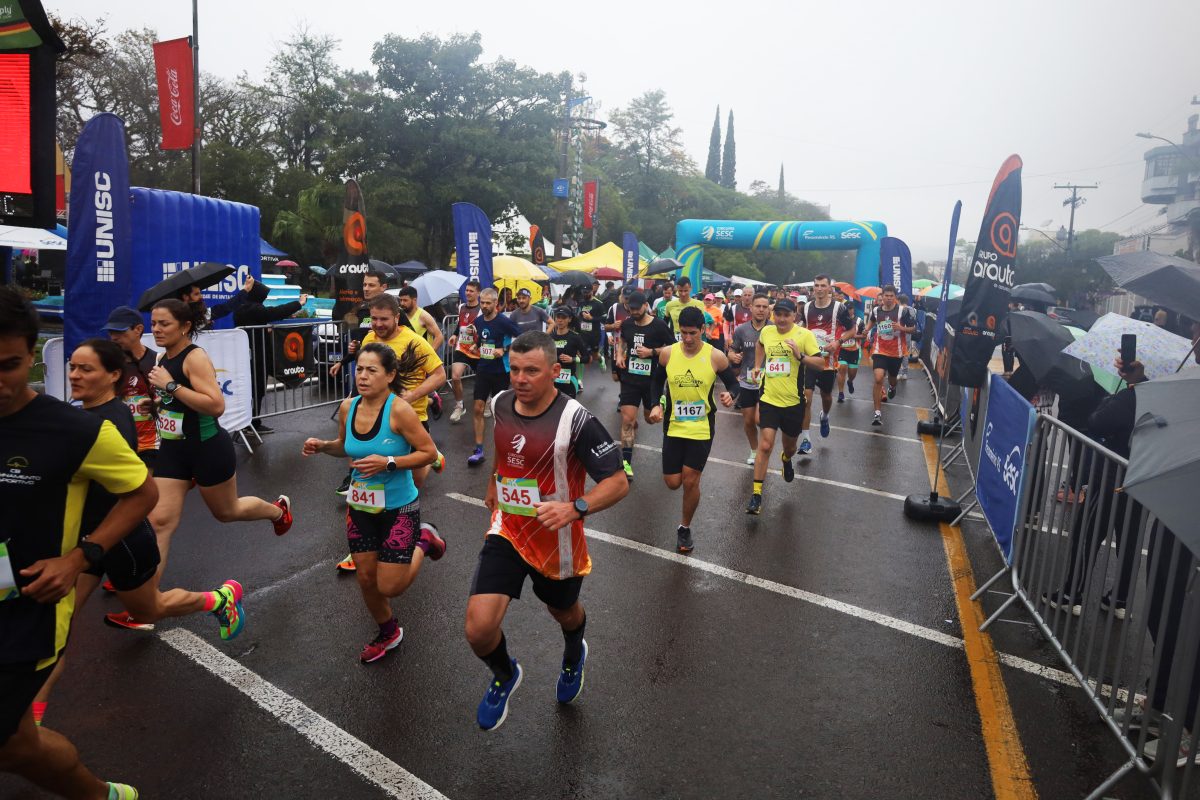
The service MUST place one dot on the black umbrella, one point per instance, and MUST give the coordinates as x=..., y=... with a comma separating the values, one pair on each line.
x=203, y=275
x=383, y=268
x=573, y=278
x=410, y=267
x=1166, y=280
x=1082, y=318
x=1045, y=287
x=1039, y=341
x=1033, y=293
x=661, y=266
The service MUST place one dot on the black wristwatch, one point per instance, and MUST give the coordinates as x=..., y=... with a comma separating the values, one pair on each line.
x=92, y=552
x=581, y=507
x=391, y=465
x=171, y=387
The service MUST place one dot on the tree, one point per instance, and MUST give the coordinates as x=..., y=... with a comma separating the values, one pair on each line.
x=1078, y=278
x=729, y=157
x=86, y=49
x=712, y=170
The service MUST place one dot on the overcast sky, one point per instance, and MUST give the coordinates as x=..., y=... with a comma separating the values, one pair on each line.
x=882, y=110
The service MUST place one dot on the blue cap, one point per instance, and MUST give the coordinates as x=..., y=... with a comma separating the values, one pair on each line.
x=123, y=318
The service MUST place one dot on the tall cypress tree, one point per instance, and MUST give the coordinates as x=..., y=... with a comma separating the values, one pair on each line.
x=729, y=157
x=782, y=193
x=712, y=170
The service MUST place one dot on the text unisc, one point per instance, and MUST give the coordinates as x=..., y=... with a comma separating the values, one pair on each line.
x=106, y=271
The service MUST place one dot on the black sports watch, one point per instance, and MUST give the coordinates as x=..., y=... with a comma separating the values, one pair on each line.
x=92, y=552
x=171, y=387
x=391, y=465
x=581, y=507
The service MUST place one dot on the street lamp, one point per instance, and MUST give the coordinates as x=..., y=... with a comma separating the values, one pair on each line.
x=1186, y=154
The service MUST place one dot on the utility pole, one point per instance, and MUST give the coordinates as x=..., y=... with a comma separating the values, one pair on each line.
x=1074, y=201
x=560, y=206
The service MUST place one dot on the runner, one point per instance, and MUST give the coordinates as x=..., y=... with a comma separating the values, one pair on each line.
x=464, y=345
x=671, y=309
x=591, y=324
x=96, y=372
x=668, y=294
x=195, y=449
x=495, y=332
x=641, y=337
x=613, y=319
x=906, y=308
x=849, y=356
x=125, y=327
x=738, y=311
x=783, y=350
x=546, y=445
x=422, y=323
x=830, y=322
x=685, y=383
x=387, y=440
x=529, y=317
x=51, y=452
x=421, y=373
x=570, y=348
x=890, y=326
x=714, y=322
x=742, y=346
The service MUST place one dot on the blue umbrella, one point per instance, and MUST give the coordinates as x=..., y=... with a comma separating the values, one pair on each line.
x=410, y=267
x=319, y=270
x=437, y=284
x=550, y=273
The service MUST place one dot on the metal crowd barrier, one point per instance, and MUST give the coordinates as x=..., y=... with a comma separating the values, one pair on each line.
x=1116, y=596
x=273, y=397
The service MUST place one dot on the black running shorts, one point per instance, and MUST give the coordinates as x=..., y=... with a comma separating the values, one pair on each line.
x=209, y=462
x=635, y=394
x=889, y=363
x=489, y=383
x=392, y=534
x=746, y=398
x=849, y=357
x=462, y=358
x=789, y=420
x=501, y=570
x=19, y=684
x=823, y=379
x=678, y=453
x=132, y=561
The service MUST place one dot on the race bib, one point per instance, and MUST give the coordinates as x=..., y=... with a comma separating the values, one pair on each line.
x=887, y=329
x=367, y=497
x=822, y=339
x=779, y=366
x=8, y=582
x=487, y=351
x=689, y=411
x=467, y=336
x=170, y=424
x=518, y=496
x=133, y=403
x=564, y=376
x=640, y=366
x=585, y=325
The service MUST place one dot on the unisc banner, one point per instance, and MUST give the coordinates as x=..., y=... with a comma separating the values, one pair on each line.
x=473, y=243
x=895, y=265
x=993, y=273
x=173, y=66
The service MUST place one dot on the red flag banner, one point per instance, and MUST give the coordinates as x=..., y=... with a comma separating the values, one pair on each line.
x=173, y=66
x=589, y=205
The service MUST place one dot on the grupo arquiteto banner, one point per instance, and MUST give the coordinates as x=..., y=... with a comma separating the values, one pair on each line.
x=992, y=276
x=176, y=104
x=473, y=244
x=347, y=276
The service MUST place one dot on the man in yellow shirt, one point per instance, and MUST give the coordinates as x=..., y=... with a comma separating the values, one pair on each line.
x=683, y=288
x=783, y=351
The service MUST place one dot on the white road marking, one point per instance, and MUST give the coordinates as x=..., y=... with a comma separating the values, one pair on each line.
x=799, y=476
x=369, y=763
x=858, y=612
x=295, y=576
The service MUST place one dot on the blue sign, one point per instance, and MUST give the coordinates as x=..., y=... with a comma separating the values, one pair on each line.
x=895, y=265
x=1007, y=430
x=562, y=187
x=473, y=245
x=629, y=256
x=99, y=239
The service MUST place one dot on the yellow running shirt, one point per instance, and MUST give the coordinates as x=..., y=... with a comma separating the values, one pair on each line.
x=671, y=312
x=781, y=368
x=689, y=406
x=427, y=363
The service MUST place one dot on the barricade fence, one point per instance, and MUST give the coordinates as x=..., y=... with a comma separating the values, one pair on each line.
x=291, y=366
x=1115, y=594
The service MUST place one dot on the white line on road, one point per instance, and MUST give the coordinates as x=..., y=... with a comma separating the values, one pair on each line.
x=372, y=765
x=799, y=476
x=912, y=629
x=295, y=576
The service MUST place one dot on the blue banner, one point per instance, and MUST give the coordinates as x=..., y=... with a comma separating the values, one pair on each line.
x=1007, y=430
x=629, y=256
x=99, y=239
x=895, y=265
x=939, y=332
x=473, y=243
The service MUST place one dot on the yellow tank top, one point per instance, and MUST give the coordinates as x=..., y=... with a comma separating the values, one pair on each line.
x=689, y=406
x=417, y=325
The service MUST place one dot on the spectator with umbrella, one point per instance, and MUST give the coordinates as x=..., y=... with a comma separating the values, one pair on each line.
x=188, y=284
x=254, y=313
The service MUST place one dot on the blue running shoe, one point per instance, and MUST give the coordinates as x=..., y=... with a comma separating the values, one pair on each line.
x=824, y=427
x=493, y=708
x=805, y=447
x=570, y=680
x=229, y=616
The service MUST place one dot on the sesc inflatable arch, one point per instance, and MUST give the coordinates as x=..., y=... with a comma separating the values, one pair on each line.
x=693, y=235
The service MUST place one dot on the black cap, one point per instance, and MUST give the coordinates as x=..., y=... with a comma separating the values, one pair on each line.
x=783, y=304
x=563, y=311
x=123, y=318
x=636, y=299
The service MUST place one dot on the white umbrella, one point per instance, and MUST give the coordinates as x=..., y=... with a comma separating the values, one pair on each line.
x=1159, y=350
x=31, y=239
x=437, y=284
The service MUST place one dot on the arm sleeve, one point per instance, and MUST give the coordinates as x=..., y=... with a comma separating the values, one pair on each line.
x=227, y=308
x=729, y=377
x=111, y=463
x=658, y=381
x=596, y=450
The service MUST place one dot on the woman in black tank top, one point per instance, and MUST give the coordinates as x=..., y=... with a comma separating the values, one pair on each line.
x=194, y=446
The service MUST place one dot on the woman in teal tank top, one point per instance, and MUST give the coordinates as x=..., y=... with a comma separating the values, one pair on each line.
x=386, y=441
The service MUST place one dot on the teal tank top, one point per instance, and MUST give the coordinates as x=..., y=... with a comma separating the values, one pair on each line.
x=384, y=490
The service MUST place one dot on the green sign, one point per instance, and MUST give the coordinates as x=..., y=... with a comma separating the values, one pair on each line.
x=15, y=31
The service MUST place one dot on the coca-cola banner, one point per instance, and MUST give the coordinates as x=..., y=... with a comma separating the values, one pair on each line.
x=590, y=193
x=993, y=273
x=173, y=65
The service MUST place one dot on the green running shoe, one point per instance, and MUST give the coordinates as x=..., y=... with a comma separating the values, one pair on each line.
x=230, y=616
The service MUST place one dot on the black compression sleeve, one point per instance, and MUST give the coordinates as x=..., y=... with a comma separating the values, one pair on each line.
x=729, y=377
x=658, y=381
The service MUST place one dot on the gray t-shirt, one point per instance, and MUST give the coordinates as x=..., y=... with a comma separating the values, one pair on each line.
x=532, y=320
x=744, y=341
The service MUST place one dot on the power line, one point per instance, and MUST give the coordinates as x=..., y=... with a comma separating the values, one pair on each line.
x=964, y=183
x=1074, y=201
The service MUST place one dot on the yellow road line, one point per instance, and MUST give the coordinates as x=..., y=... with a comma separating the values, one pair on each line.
x=1006, y=757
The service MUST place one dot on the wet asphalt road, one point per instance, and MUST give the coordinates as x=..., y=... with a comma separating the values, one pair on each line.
x=698, y=684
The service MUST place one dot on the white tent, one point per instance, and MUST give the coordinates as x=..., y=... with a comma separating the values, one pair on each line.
x=513, y=223
x=31, y=239
x=747, y=281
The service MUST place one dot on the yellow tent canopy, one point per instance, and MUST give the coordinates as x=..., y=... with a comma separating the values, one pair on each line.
x=606, y=255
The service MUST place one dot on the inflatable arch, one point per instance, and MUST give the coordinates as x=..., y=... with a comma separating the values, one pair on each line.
x=693, y=235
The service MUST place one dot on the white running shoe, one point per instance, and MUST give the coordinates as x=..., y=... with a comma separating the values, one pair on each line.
x=750, y=459
x=457, y=414
x=487, y=412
